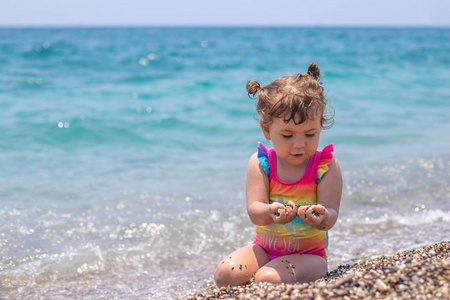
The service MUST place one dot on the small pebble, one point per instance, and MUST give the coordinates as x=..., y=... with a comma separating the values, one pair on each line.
x=381, y=286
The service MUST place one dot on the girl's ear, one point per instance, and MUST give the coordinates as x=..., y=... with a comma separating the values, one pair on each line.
x=265, y=130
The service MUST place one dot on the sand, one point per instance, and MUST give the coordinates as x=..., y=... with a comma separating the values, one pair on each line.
x=416, y=274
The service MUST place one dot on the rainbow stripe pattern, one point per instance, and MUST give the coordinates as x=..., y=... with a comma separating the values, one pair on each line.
x=278, y=239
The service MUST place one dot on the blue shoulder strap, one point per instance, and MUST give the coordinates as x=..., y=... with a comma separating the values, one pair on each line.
x=263, y=157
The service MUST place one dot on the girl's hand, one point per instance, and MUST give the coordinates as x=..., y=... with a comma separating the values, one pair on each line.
x=283, y=214
x=313, y=215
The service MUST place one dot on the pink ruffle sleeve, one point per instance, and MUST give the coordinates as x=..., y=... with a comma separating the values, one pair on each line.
x=326, y=157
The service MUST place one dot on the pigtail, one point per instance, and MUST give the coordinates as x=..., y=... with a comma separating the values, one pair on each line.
x=313, y=71
x=253, y=87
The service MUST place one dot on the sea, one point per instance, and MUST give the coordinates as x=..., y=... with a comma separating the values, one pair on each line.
x=123, y=150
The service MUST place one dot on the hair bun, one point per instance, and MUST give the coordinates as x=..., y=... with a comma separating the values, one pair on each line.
x=313, y=70
x=253, y=87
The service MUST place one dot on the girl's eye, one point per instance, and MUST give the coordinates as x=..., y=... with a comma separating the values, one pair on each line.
x=286, y=136
x=310, y=135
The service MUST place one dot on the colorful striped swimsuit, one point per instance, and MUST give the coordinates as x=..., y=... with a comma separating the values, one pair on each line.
x=295, y=237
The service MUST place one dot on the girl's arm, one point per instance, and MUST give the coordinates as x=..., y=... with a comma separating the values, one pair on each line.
x=324, y=215
x=257, y=194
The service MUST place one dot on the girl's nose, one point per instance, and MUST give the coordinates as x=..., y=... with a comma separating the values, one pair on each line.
x=299, y=143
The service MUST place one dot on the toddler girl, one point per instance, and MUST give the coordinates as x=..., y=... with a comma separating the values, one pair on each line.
x=293, y=191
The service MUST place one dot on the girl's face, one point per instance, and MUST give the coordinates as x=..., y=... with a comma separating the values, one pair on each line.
x=294, y=144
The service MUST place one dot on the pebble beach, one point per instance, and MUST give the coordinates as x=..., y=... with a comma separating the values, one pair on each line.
x=422, y=273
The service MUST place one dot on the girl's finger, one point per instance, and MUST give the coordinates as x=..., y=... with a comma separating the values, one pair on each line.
x=319, y=209
x=274, y=207
x=283, y=213
x=291, y=204
x=314, y=217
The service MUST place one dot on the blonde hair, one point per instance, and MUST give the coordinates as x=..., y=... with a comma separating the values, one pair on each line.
x=297, y=97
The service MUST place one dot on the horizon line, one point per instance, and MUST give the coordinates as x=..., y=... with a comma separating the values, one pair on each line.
x=204, y=25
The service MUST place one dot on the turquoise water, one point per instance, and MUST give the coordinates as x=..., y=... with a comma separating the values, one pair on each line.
x=124, y=150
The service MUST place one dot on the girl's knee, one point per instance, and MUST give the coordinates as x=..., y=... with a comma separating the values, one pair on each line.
x=302, y=269
x=239, y=267
x=222, y=276
x=266, y=274
x=226, y=274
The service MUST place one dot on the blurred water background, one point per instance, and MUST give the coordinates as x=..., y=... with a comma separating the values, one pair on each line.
x=123, y=151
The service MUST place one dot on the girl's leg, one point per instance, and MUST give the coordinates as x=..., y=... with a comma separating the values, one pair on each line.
x=239, y=267
x=300, y=268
